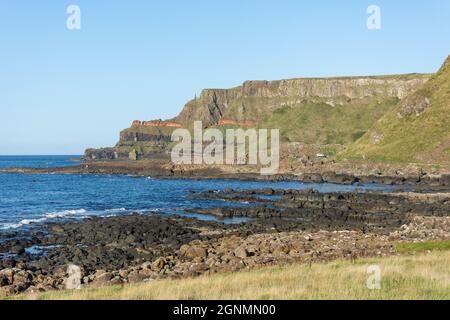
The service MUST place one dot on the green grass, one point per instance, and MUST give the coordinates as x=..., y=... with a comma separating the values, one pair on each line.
x=411, y=138
x=420, y=276
x=423, y=246
x=320, y=123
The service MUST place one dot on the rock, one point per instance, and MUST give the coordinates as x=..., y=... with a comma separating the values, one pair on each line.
x=193, y=251
x=4, y=281
x=146, y=265
x=102, y=279
x=17, y=249
x=7, y=276
x=159, y=264
x=116, y=281
x=33, y=290
x=241, y=253
x=136, y=276
x=7, y=291
x=22, y=277
x=123, y=273
x=148, y=273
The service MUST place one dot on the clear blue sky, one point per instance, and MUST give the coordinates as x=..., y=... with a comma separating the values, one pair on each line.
x=63, y=91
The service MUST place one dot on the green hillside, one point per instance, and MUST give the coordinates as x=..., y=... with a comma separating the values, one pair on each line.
x=417, y=130
x=321, y=123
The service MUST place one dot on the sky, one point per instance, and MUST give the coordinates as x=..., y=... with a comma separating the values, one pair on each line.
x=63, y=90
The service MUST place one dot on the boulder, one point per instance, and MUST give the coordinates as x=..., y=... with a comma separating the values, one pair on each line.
x=22, y=277
x=158, y=264
x=102, y=279
x=17, y=249
x=193, y=251
x=7, y=291
x=241, y=252
x=7, y=276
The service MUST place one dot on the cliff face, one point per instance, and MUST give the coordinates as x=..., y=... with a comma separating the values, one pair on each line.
x=137, y=142
x=258, y=97
x=317, y=111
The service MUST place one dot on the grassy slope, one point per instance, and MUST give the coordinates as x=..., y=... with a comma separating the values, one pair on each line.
x=424, y=138
x=320, y=123
x=424, y=276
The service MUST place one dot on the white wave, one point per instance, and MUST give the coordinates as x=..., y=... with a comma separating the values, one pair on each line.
x=153, y=210
x=47, y=216
x=25, y=222
x=68, y=214
x=10, y=226
x=116, y=210
x=62, y=214
x=22, y=223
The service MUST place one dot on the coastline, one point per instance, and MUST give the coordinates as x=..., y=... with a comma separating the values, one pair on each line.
x=284, y=226
x=421, y=177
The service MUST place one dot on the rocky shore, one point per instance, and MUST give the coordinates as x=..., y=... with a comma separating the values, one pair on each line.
x=283, y=226
x=420, y=177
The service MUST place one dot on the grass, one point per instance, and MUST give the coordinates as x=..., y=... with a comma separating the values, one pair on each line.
x=423, y=246
x=320, y=123
x=411, y=138
x=422, y=276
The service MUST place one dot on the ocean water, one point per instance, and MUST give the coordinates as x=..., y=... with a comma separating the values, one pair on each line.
x=30, y=200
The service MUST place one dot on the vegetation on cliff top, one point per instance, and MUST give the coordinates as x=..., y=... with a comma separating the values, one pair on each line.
x=417, y=130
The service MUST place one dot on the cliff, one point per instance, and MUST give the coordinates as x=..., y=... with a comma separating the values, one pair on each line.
x=307, y=110
x=254, y=99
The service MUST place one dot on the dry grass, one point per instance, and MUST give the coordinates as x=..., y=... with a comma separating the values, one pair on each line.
x=424, y=276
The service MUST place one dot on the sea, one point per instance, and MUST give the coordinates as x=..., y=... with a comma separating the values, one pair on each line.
x=32, y=200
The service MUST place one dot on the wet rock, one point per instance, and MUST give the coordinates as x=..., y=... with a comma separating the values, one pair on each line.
x=17, y=249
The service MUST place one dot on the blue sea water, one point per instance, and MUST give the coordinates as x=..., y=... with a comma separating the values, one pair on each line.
x=38, y=161
x=29, y=200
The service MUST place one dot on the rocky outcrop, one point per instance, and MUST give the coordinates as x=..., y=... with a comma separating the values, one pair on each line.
x=143, y=140
x=101, y=154
x=414, y=105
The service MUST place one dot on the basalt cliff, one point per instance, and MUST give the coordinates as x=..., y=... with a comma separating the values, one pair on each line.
x=311, y=111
